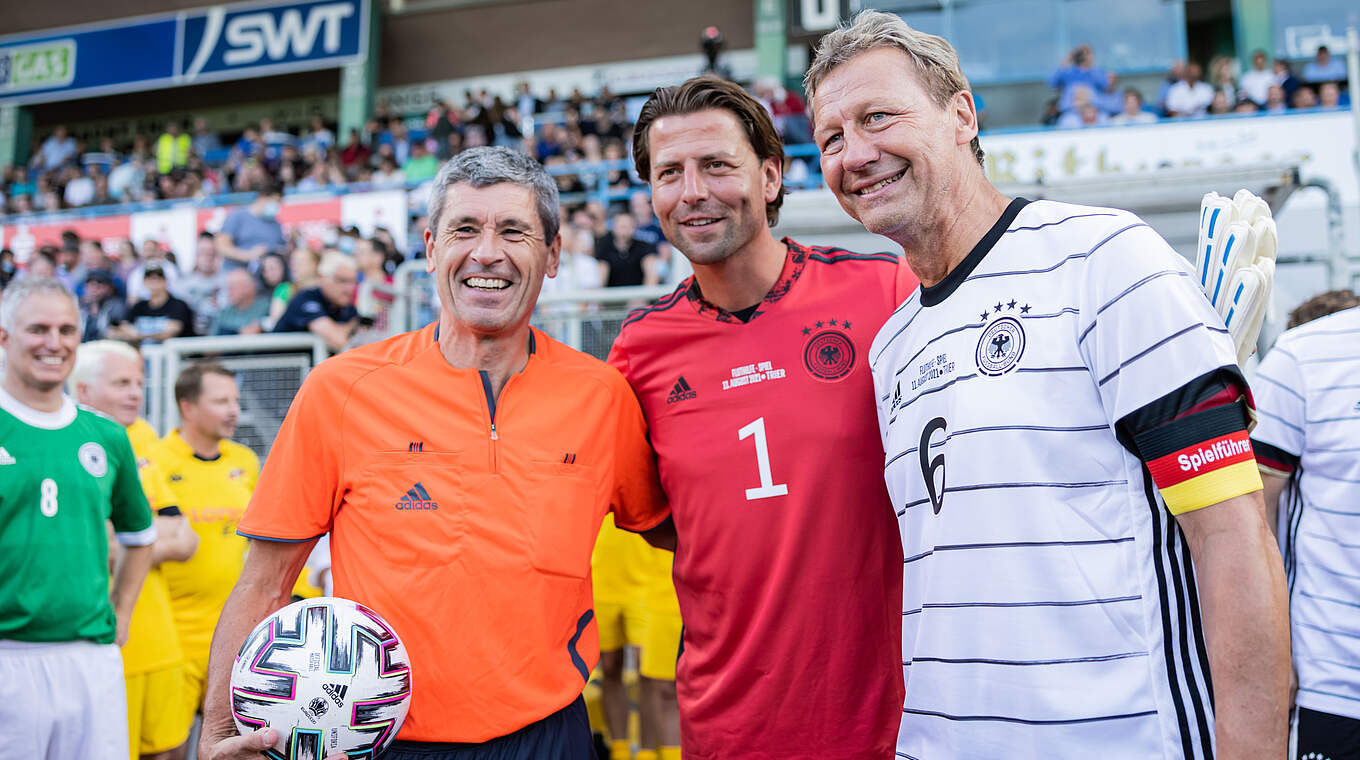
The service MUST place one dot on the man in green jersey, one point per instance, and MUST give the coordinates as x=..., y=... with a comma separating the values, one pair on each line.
x=64, y=471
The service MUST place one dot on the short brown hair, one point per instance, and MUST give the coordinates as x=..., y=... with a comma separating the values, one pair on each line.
x=1321, y=305
x=936, y=61
x=189, y=384
x=707, y=93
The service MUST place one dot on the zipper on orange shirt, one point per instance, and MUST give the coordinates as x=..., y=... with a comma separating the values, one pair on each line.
x=491, y=411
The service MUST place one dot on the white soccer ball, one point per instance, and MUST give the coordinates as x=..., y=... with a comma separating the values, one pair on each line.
x=328, y=674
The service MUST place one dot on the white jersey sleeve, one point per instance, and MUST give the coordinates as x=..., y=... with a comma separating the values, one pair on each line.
x=1146, y=328
x=1280, y=404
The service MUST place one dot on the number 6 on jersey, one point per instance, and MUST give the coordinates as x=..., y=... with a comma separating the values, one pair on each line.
x=767, y=486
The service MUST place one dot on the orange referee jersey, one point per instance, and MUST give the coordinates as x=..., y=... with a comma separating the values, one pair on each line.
x=466, y=521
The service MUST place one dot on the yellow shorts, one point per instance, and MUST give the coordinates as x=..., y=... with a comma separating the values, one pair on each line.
x=661, y=646
x=156, y=720
x=191, y=694
x=620, y=625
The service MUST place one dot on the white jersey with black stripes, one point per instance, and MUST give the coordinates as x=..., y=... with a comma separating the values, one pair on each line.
x=1308, y=395
x=1048, y=600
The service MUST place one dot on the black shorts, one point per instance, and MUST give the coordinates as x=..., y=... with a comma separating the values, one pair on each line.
x=564, y=735
x=1323, y=736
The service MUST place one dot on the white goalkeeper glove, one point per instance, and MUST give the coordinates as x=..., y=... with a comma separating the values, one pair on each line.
x=1235, y=263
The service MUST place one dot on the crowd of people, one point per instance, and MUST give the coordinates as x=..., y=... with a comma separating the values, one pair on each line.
x=390, y=151
x=1089, y=95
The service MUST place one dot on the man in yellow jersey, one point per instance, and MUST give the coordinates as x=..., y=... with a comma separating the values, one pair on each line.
x=212, y=478
x=108, y=378
x=635, y=605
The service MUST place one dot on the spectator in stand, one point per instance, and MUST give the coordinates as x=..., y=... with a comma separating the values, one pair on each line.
x=93, y=259
x=41, y=263
x=355, y=152
x=8, y=268
x=101, y=189
x=100, y=305
x=376, y=292
x=1275, y=99
x=1219, y=106
x=400, y=140
x=440, y=123
x=126, y=179
x=1223, y=78
x=251, y=231
x=1329, y=95
x=326, y=310
x=1304, y=97
x=153, y=256
x=303, y=263
x=156, y=318
x=320, y=136
x=388, y=175
x=421, y=166
x=69, y=271
x=103, y=159
x=204, y=141
x=1190, y=96
x=274, y=284
x=624, y=260
x=1077, y=69
x=205, y=286
x=245, y=310
x=56, y=150
x=1246, y=105
x=1256, y=83
x=1173, y=77
x=79, y=188
x=1324, y=68
x=172, y=148
x=1084, y=112
x=1284, y=77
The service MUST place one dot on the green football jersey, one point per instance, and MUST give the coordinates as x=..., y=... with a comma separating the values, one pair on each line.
x=62, y=475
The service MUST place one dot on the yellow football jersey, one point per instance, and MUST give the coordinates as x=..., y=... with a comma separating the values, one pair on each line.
x=152, y=642
x=213, y=494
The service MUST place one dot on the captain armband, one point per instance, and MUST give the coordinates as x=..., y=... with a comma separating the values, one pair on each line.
x=1202, y=458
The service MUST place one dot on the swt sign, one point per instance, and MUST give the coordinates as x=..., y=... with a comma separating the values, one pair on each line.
x=208, y=44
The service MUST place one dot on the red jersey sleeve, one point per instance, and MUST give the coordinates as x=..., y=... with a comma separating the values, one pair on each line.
x=906, y=281
x=300, y=487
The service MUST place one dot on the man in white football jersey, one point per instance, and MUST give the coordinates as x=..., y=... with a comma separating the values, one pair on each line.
x=1065, y=429
x=1307, y=445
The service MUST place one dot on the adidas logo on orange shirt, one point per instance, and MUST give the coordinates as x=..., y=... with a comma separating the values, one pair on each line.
x=681, y=392
x=416, y=498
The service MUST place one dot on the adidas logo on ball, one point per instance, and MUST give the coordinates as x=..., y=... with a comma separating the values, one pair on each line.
x=336, y=691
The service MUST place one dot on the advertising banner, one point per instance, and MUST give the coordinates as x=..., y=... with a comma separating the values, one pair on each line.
x=237, y=41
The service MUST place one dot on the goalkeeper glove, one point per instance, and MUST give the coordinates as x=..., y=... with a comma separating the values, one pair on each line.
x=1235, y=263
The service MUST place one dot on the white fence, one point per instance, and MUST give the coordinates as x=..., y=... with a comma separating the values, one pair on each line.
x=269, y=371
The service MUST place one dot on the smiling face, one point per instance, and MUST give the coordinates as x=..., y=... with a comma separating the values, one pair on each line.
x=709, y=188
x=118, y=389
x=889, y=153
x=41, y=350
x=489, y=257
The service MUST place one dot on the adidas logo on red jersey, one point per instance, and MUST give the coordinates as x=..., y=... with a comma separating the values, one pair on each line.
x=681, y=392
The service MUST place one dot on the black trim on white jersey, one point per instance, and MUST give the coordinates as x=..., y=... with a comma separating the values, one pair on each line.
x=1165, y=548
x=935, y=294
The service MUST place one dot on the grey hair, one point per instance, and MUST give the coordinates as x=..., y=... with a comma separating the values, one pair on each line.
x=486, y=166
x=19, y=290
x=936, y=61
x=90, y=360
x=333, y=261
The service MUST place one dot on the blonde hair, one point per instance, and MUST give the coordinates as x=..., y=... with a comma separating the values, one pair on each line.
x=936, y=61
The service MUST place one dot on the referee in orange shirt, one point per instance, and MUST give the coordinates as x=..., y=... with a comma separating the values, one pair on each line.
x=515, y=447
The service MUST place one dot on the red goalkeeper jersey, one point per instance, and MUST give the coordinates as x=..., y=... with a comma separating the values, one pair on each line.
x=789, y=564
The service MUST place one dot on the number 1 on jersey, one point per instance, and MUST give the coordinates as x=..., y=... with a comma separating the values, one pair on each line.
x=767, y=486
